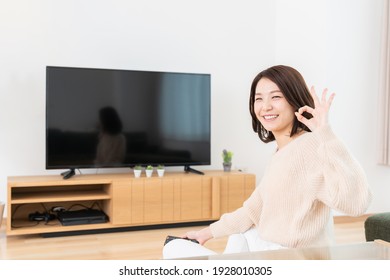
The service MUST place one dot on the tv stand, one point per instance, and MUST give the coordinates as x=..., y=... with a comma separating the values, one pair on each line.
x=68, y=174
x=176, y=198
x=189, y=169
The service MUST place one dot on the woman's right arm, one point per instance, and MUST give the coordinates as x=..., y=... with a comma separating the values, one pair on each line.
x=237, y=221
x=201, y=236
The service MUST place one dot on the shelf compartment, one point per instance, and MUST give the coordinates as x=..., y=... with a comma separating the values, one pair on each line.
x=20, y=222
x=28, y=227
x=22, y=195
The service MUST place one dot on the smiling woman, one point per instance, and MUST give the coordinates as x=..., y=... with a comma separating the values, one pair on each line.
x=310, y=174
x=275, y=84
x=272, y=110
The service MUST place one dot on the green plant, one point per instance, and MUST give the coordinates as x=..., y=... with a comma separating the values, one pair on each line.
x=227, y=156
x=138, y=167
x=160, y=166
x=149, y=167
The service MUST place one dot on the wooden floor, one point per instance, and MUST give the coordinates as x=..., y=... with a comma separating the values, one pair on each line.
x=132, y=245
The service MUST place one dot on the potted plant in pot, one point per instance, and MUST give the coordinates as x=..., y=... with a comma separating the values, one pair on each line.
x=160, y=170
x=149, y=171
x=137, y=171
x=227, y=160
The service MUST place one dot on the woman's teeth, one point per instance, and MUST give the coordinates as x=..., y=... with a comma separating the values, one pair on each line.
x=270, y=117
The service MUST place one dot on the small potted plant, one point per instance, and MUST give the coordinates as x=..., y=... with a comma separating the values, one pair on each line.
x=160, y=170
x=227, y=160
x=137, y=171
x=149, y=171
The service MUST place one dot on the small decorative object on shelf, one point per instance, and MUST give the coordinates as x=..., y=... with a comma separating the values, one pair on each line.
x=227, y=160
x=160, y=170
x=149, y=171
x=137, y=171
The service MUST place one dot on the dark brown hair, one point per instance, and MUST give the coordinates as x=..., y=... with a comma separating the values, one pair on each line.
x=293, y=86
x=110, y=121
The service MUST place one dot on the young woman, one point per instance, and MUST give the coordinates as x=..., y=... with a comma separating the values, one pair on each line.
x=310, y=173
x=111, y=148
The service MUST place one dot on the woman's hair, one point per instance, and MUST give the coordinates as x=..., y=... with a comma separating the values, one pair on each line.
x=293, y=86
x=110, y=121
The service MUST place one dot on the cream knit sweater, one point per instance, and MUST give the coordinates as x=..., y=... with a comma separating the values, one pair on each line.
x=303, y=181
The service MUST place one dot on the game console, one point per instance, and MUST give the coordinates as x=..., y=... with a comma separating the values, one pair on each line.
x=82, y=217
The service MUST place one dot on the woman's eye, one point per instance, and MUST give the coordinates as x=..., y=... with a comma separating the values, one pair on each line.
x=258, y=99
x=276, y=97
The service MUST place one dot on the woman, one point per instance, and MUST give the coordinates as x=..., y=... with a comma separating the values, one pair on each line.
x=111, y=148
x=310, y=173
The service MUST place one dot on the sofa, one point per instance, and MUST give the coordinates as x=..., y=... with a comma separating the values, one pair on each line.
x=377, y=226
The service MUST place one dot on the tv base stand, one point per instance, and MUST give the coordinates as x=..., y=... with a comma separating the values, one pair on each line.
x=191, y=170
x=68, y=174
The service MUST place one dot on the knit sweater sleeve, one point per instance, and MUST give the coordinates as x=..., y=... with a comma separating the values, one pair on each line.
x=336, y=178
x=241, y=219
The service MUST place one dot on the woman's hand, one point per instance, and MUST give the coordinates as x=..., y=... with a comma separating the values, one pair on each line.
x=319, y=112
x=201, y=235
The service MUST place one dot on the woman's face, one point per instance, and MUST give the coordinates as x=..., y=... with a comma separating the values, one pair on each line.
x=272, y=109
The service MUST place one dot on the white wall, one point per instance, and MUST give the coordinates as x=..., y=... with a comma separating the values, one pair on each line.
x=232, y=40
x=217, y=37
x=336, y=44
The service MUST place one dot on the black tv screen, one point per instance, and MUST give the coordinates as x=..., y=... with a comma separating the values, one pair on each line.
x=121, y=118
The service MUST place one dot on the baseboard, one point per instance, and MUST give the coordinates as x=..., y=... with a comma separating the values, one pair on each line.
x=350, y=219
x=337, y=219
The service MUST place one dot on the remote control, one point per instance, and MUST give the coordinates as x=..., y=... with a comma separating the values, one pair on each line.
x=170, y=238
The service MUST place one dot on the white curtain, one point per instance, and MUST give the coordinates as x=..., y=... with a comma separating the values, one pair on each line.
x=384, y=102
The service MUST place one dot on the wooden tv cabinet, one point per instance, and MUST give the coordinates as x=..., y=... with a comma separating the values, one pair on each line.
x=176, y=198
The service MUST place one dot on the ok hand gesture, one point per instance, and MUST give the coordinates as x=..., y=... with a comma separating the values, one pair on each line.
x=319, y=112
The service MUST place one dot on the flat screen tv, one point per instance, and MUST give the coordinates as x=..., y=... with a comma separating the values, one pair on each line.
x=99, y=118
